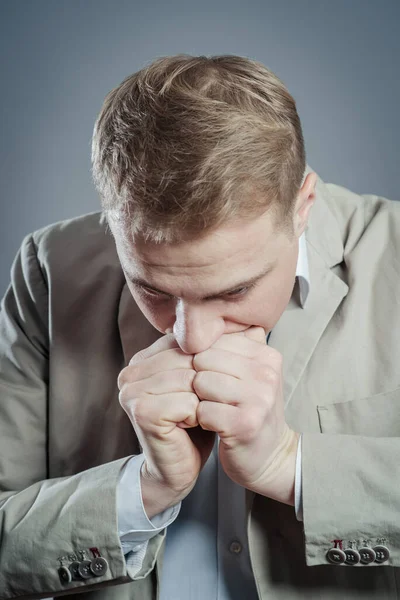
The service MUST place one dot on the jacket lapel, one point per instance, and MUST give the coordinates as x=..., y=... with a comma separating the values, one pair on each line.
x=298, y=330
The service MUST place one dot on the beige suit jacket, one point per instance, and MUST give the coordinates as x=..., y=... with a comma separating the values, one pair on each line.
x=68, y=325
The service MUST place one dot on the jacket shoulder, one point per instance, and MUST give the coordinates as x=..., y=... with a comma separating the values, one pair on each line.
x=363, y=217
x=85, y=229
x=369, y=205
x=83, y=243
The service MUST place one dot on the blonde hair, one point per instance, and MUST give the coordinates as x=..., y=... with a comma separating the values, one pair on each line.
x=189, y=143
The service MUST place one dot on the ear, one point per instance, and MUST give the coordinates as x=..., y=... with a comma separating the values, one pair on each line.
x=256, y=333
x=305, y=200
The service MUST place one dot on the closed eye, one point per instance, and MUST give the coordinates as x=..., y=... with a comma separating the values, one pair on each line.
x=240, y=292
x=234, y=294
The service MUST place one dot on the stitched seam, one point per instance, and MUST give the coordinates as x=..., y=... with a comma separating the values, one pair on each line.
x=43, y=281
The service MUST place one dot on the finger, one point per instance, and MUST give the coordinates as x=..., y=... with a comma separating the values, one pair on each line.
x=256, y=333
x=224, y=389
x=167, y=382
x=165, y=360
x=243, y=345
x=158, y=415
x=184, y=425
x=221, y=418
x=224, y=361
x=163, y=343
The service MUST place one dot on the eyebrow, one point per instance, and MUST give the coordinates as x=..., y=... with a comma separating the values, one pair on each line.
x=142, y=283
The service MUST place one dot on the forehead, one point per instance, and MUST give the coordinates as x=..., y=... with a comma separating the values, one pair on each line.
x=230, y=246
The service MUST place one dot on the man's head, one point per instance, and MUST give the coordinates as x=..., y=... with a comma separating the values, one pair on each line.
x=199, y=163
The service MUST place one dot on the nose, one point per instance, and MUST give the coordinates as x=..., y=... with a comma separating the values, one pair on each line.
x=196, y=329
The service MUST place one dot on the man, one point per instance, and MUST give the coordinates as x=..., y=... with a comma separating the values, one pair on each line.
x=246, y=319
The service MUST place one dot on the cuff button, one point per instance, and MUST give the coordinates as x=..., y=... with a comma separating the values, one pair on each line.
x=73, y=567
x=336, y=556
x=84, y=569
x=382, y=554
x=367, y=555
x=65, y=575
x=352, y=556
x=98, y=566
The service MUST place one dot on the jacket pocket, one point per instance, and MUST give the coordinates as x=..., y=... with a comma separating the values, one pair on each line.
x=376, y=416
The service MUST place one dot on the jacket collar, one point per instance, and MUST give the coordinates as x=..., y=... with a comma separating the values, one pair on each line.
x=322, y=231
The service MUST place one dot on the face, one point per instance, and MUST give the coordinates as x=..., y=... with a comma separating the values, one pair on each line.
x=240, y=275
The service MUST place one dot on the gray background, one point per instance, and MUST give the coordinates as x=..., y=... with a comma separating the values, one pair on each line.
x=59, y=59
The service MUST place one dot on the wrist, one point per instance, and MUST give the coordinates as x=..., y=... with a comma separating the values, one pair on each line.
x=279, y=478
x=156, y=496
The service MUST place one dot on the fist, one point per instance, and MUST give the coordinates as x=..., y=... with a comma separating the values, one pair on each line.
x=156, y=392
x=239, y=383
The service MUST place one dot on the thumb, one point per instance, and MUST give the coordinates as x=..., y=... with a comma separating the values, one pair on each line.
x=256, y=333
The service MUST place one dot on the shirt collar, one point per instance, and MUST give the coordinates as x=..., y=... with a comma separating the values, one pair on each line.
x=302, y=273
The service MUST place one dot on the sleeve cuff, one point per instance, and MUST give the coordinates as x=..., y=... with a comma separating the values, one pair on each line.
x=134, y=527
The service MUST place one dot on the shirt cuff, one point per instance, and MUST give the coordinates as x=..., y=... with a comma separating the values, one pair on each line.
x=298, y=491
x=134, y=526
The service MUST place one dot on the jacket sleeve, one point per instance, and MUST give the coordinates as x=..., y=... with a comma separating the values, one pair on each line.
x=46, y=524
x=351, y=499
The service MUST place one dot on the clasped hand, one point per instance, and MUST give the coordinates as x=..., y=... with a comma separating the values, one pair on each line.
x=239, y=382
x=177, y=403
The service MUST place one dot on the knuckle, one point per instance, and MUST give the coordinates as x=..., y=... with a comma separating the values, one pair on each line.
x=204, y=419
x=275, y=356
x=201, y=415
x=139, y=412
x=198, y=381
x=274, y=377
x=270, y=355
x=258, y=371
x=123, y=396
x=134, y=372
x=250, y=426
x=165, y=342
x=122, y=378
x=194, y=401
x=129, y=375
x=187, y=377
x=178, y=357
x=197, y=361
x=199, y=376
x=128, y=393
x=138, y=357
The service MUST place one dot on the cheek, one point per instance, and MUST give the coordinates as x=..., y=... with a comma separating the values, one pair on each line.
x=280, y=293
x=160, y=315
x=270, y=300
